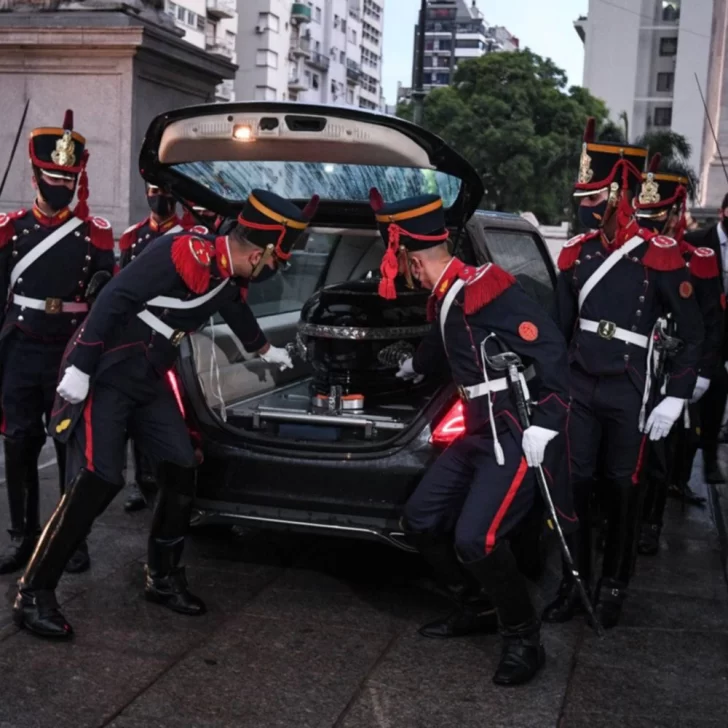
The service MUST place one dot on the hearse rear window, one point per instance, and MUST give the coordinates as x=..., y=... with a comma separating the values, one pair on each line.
x=300, y=180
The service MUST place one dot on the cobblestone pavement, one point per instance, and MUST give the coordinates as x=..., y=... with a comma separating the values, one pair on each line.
x=307, y=632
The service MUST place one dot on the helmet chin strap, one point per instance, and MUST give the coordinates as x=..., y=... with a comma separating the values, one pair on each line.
x=230, y=257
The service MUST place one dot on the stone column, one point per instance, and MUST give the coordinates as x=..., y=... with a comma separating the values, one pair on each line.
x=117, y=70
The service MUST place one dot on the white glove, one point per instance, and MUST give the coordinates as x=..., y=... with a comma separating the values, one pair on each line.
x=701, y=387
x=663, y=417
x=534, y=444
x=407, y=372
x=277, y=355
x=74, y=385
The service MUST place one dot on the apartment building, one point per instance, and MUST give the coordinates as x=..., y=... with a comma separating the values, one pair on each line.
x=321, y=51
x=455, y=30
x=642, y=57
x=212, y=25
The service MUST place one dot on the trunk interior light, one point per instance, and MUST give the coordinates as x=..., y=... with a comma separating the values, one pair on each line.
x=243, y=133
x=174, y=383
x=450, y=428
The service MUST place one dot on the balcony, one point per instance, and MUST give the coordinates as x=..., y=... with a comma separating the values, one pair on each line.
x=301, y=47
x=353, y=72
x=221, y=8
x=219, y=48
x=297, y=84
x=320, y=61
x=224, y=91
x=300, y=13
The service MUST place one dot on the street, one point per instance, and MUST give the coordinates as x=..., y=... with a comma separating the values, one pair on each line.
x=314, y=632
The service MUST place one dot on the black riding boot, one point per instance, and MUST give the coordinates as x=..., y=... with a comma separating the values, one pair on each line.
x=36, y=608
x=654, y=507
x=473, y=612
x=713, y=473
x=165, y=578
x=621, y=550
x=522, y=655
x=21, y=473
x=141, y=492
x=80, y=560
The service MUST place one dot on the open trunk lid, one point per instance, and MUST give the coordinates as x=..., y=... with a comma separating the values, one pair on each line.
x=215, y=154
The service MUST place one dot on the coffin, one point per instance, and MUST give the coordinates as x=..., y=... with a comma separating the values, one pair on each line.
x=355, y=340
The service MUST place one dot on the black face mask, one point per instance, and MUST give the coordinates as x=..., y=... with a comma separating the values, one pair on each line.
x=592, y=217
x=56, y=196
x=265, y=274
x=161, y=205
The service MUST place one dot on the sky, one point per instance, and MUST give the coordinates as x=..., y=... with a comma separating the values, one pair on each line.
x=545, y=27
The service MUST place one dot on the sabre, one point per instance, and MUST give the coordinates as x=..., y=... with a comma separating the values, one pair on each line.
x=511, y=363
x=15, y=146
x=712, y=130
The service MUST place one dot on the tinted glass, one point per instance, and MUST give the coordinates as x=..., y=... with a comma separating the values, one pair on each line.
x=518, y=253
x=301, y=180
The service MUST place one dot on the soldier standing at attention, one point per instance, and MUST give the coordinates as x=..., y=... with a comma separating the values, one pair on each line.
x=48, y=255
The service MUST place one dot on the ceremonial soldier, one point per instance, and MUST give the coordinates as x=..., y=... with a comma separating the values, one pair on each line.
x=661, y=207
x=480, y=490
x=48, y=255
x=199, y=219
x=113, y=382
x=162, y=220
x=615, y=282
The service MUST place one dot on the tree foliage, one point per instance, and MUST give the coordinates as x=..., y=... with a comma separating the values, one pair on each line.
x=512, y=117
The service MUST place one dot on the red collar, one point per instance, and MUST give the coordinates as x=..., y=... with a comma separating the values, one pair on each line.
x=452, y=271
x=623, y=235
x=222, y=257
x=162, y=227
x=54, y=220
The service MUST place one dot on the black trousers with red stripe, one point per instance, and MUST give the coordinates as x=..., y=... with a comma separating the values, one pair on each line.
x=129, y=400
x=606, y=447
x=467, y=493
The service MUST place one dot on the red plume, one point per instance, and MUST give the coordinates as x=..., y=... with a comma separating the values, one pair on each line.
x=310, y=210
x=655, y=162
x=81, y=209
x=590, y=129
x=375, y=199
x=68, y=119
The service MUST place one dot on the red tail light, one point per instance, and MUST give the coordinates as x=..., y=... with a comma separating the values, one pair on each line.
x=174, y=383
x=451, y=427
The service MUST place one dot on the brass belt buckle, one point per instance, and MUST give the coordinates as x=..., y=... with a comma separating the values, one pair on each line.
x=607, y=329
x=53, y=305
x=463, y=393
x=176, y=338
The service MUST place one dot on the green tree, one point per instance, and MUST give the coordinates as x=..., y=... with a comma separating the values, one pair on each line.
x=512, y=117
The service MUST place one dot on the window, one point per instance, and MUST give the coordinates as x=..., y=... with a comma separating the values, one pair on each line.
x=663, y=116
x=269, y=21
x=337, y=21
x=429, y=45
x=201, y=23
x=370, y=33
x=343, y=25
x=665, y=81
x=442, y=78
x=317, y=15
x=171, y=8
x=266, y=58
x=265, y=93
x=317, y=46
x=353, y=37
x=670, y=10
x=428, y=61
x=469, y=44
x=445, y=45
x=372, y=9
x=369, y=59
x=366, y=104
x=342, y=57
x=519, y=254
x=315, y=80
x=350, y=96
x=181, y=13
x=191, y=18
x=668, y=46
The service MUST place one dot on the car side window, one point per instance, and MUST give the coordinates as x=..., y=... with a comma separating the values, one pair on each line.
x=518, y=252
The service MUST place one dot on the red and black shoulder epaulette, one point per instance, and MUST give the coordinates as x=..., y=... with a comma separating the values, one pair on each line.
x=127, y=237
x=704, y=263
x=572, y=249
x=100, y=232
x=483, y=285
x=6, y=225
x=192, y=258
x=663, y=253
